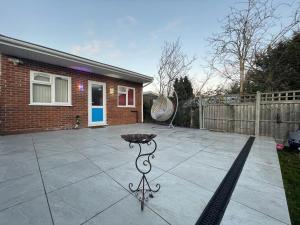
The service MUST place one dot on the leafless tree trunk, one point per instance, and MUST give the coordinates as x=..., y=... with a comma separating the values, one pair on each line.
x=173, y=64
x=246, y=31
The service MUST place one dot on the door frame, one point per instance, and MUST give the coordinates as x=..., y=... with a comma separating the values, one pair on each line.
x=104, y=122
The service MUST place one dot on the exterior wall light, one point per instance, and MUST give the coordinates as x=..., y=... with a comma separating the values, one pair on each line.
x=80, y=87
x=15, y=61
x=111, y=91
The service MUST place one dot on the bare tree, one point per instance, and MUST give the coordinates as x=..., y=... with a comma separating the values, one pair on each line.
x=246, y=32
x=199, y=85
x=173, y=64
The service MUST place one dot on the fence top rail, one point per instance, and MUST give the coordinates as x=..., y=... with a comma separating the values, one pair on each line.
x=282, y=96
x=278, y=92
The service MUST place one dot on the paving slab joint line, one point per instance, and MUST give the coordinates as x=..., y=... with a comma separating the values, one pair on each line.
x=37, y=159
x=262, y=181
x=56, y=153
x=129, y=193
x=78, y=181
x=182, y=178
x=259, y=211
x=20, y=177
x=167, y=171
x=105, y=209
x=215, y=209
x=19, y=203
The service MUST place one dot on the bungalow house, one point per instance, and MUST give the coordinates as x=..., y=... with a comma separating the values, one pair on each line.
x=46, y=89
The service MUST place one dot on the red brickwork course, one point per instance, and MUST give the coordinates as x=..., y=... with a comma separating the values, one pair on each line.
x=18, y=116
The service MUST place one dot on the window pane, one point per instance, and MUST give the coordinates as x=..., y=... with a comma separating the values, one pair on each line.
x=41, y=93
x=122, y=99
x=42, y=77
x=130, y=97
x=61, y=90
x=97, y=95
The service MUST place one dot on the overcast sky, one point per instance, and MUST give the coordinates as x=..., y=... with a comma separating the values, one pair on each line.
x=128, y=34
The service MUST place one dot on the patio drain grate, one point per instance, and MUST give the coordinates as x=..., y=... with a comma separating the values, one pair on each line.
x=215, y=209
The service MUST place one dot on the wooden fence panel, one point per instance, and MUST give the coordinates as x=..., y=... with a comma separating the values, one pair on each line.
x=278, y=119
x=279, y=114
x=238, y=118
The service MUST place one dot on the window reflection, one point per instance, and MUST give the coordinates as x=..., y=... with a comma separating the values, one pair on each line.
x=97, y=95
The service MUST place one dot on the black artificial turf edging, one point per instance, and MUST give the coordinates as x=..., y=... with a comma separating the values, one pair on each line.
x=215, y=209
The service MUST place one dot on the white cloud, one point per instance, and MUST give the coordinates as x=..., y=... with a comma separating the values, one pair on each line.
x=172, y=26
x=115, y=54
x=127, y=20
x=97, y=49
x=90, y=28
x=90, y=32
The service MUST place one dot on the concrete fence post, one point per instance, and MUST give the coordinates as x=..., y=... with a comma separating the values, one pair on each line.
x=201, y=125
x=257, y=113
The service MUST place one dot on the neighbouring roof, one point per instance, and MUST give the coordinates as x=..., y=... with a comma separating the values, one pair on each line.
x=17, y=48
x=150, y=93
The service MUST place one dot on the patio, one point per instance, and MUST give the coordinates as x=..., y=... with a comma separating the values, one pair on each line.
x=86, y=174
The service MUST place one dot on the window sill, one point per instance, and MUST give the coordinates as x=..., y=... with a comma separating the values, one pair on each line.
x=121, y=106
x=45, y=104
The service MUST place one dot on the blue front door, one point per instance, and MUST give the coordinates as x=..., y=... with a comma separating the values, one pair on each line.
x=97, y=103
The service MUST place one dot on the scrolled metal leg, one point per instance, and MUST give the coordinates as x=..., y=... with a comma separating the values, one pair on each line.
x=144, y=189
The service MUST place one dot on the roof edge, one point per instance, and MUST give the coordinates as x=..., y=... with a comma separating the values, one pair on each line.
x=60, y=54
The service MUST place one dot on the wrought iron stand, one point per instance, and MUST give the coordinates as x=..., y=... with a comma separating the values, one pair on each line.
x=143, y=190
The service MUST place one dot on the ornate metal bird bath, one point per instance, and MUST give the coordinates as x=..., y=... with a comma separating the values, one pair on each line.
x=143, y=190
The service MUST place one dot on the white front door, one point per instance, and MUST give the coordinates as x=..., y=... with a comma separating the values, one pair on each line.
x=96, y=103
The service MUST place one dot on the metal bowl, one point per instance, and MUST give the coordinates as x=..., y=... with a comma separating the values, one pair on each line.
x=138, y=138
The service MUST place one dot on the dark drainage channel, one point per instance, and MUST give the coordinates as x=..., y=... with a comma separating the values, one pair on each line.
x=215, y=209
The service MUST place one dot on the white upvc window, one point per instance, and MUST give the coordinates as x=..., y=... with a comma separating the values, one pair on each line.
x=49, y=89
x=126, y=96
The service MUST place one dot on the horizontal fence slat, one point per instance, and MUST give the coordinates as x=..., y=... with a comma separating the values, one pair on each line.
x=279, y=113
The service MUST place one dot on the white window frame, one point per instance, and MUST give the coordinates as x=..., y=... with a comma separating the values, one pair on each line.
x=127, y=88
x=52, y=85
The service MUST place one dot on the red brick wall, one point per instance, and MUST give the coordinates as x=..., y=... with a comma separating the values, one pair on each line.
x=16, y=115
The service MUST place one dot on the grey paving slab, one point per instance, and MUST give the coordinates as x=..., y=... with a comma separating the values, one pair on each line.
x=99, y=150
x=260, y=185
x=21, y=139
x=223, y=150
x=264, y=154
x=215, y=160
x=127, y=173
x=111, y=160
x=264, y=173
x=68, y=174
x=48, y=149
x=168, y=159
x=15, y=152
x=237, y=214
x=178, y=201
x=128, y=212
x=117, y=145
x=205, y=176
x=263, y=197
x=81, y=143
x=185, y=149
x=61, y=159
x=19, y=190
x=33, y=212
x=11, y=168
x=71, y=163
x=78, y=202
x=165, y=143
x=48, y=138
